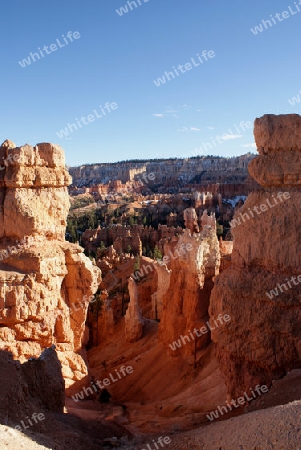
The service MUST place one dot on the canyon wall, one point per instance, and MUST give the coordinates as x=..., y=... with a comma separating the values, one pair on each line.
x=194, y=262
x=169, y=171
x=128, y=235
x=262, y=341
x=35, y=386
x=43, y=279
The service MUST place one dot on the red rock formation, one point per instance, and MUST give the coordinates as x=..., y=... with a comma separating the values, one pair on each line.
x=162, y=281
x=208, y=221
x=122, y=237
x=263, y=340
x=106, y=319
x=168, y=173
x=191, y=220
x=193, y=264
x=43, y=279
x=226, y=248
x=30, y=387
x=133, y=318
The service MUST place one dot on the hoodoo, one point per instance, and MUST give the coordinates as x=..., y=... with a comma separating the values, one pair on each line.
x=263, y=340
x=44, y=277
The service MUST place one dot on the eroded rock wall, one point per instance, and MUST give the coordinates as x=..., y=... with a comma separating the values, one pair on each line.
x=35, y=386
x=263, y=340
x=193, y=263
x=44, y=280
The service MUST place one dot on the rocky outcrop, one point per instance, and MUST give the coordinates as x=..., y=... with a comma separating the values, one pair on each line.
x=31, y=387
x=106, y=321
x=208, y=221
x=261, y=291
x=44, y=280
x=162, y=281
x=226, y=249
x=170, y=172
x=133, y=318
x=275, y=133
x=134, y=236
x=191, y=220
x=194, y=263
x=278, y=140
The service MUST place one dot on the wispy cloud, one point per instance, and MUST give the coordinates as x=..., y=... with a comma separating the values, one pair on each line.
x=227, y=137
x=210, y=128
x=253, y=145
x=188, y=129
x=158, y=115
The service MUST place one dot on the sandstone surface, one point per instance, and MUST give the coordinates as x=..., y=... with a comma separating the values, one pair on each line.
x=194, y=263
x=263, y=340
x=191, y=220
x=277, y=133
x=133, y=318
x=170, y=172
x=162, y=281
x=43, y=279
x=25, y=388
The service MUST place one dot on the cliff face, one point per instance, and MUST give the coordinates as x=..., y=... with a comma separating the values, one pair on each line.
x=263, y=340
x=193, y=262
x=169, y=171
x=133, y=318
x=30, y=387
x=43, y=279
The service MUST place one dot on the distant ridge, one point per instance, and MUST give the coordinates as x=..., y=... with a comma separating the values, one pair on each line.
x=167, y=171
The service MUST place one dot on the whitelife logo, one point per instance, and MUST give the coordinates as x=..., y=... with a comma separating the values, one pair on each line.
x=124, y=9
x=35, y=416
x=285, y=15
x=86, y=119
x=263, y=207
x=179, y=252
x=293, y=101
x=240, y=400
x=274, y=292
x=188, y=66
x=203, y=330
x=161, y=440
x=52, y=47
x=106, y=382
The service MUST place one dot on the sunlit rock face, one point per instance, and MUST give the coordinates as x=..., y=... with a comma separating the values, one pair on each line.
x=261, y=291
x=134, y=323
x=194, y=262
x=44, y=280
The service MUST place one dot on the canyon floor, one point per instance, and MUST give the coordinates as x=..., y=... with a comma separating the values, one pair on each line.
x=271, y=421
x=274, y=428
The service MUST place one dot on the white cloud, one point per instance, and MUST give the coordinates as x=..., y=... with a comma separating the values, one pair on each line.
x=226, y=137
x=249, y=145
x=158, y=115
x=210, y=128
x=188, y=129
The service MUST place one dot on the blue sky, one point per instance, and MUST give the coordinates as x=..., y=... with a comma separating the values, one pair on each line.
x=117, y=58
